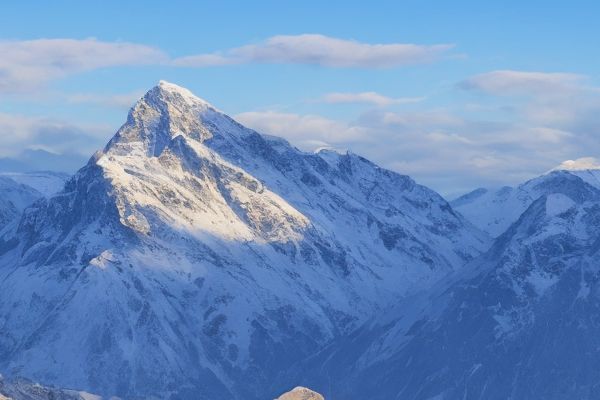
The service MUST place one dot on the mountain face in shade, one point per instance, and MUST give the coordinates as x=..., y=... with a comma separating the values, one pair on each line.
x=519, y=322
x=195, y=258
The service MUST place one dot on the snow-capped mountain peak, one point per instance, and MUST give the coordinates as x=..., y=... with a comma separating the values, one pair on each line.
x=165, y=112
x=230, y=253
x=180, y=90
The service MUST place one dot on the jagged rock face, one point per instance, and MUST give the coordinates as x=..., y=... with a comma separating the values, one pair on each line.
x=300, y=393
x=493, y=211
x=196, y=258
x=520, y=322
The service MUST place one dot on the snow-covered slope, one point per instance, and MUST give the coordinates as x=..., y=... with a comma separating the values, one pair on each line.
x=520, y=322
x=494, y=210
x=230, y=254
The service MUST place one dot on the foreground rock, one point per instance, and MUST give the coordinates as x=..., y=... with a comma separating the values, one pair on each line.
x=301, y=393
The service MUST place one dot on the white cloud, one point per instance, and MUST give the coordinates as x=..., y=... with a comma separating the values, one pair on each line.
x=25, y=65
x=369, y=98
x=123, y=100
x=320, y=50
x=557, y=109
x=507, y=82
x=307, y=132
x=19, y=132
x=439, y=148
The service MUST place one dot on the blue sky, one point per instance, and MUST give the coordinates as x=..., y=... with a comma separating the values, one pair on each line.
x=456, y=94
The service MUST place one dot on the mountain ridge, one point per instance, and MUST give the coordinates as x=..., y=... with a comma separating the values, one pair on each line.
x=516, y=322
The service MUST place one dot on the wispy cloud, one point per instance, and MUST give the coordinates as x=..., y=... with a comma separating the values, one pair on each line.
x=441, y=148
x=368, y=98
x=508, y=82
x=25, y=65
x=305, y=131
x=322, y=50
x=19, y=132
x=122, y=100
x=556, y=106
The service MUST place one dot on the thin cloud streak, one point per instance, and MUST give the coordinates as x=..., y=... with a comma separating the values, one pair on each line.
x=509, y=82
x=368, y=98
x=315, y=49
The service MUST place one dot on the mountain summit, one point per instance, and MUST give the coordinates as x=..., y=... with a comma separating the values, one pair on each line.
x=196, y=258
x=164, y=113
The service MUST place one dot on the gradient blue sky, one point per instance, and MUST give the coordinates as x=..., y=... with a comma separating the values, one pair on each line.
x=508, y=90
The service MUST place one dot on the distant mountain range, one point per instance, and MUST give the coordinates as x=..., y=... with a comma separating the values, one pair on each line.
x=39, y=160
x=494, y=210
x=194, y=258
